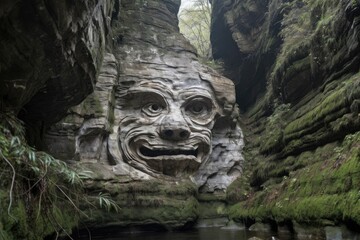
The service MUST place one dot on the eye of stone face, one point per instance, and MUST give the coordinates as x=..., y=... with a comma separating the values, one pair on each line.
x=153, y=109
x=199, y=108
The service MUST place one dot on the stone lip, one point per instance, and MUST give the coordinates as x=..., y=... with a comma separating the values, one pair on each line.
x=167, y=157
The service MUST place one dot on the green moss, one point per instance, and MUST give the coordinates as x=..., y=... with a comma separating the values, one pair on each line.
x=212, y=210
x=30, y=198
x=297, y=67
x=297, y=163
x=331, y=110
x=239, y=190
x=212, y=205
x=147, y=202
x=25, y=224
x=295, y=33
x=273, y=133
x=169, y=212
x=209, y=197
x=299, y=127
x=325, y=187
x=309, y=34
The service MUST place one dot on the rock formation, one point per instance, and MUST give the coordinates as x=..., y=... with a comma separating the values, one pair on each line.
x=112, y=87
x=156, y=112
x=52, y=53
x=152, y=124
x=296, y=65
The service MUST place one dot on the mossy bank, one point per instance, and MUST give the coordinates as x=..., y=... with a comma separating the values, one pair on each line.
x=298, y=84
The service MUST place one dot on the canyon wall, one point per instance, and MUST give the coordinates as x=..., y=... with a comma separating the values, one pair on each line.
x=81, y=76
x=115, y=91
x=296, y=69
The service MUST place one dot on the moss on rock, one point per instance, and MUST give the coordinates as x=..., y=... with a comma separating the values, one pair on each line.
x=326, y=187
x=171, y=205
x=37, y=197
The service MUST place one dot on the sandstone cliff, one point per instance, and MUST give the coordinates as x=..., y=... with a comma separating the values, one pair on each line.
x=78, y=78
x=149, y=52
x=51, y=52
x=296, y=69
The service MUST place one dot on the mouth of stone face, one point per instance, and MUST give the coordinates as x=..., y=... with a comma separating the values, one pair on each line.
x=154, y=153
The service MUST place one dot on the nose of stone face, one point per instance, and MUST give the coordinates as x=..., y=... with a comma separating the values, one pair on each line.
x=174, y=129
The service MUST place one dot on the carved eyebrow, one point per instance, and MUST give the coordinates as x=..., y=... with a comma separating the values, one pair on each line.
x=155, y=85
x=136, y=97
x=145, y=91
x=195, y=91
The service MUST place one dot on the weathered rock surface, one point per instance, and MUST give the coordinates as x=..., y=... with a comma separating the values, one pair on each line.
x=110, y=68
x=151, y=60
x=244, y=37
x=296, y=66
x=51, y=54
x=153, y=203
x=156, y=117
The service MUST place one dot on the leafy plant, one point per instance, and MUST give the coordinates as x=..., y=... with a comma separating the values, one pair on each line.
x=106, y=202
x=41, y=193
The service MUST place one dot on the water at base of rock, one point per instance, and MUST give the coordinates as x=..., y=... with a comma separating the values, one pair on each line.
x=215, y=233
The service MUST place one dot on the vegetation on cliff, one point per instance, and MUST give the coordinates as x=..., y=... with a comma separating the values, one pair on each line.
x=166, y=205
x=312, y=187
x=302, y=133
x=39, y=195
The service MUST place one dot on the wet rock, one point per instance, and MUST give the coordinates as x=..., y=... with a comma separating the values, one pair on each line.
x=231, y=225
x=255, y=238
x=340, y=233
x=260, y=227
x=213, y=222
x=308, y=232
x=333, y=233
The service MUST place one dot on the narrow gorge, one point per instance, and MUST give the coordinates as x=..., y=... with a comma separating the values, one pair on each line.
x=110, y=122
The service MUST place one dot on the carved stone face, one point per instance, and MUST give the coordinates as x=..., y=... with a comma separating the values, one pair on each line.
x=166, y=126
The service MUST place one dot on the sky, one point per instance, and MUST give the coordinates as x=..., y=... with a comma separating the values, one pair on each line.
x=185, y=3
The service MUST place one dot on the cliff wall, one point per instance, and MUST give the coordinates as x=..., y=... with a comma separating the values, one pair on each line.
x=51, y=52
x=82, y=75
x=296, y=69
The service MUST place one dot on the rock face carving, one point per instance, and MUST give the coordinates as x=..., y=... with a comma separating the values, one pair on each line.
x=165, y=126
x=156, y=112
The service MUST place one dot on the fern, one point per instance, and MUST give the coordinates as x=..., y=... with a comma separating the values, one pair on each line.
x=106, y=202
x=41, y=181
x=32, y=177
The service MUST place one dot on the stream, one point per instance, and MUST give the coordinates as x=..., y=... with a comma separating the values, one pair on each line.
x=213, y=233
